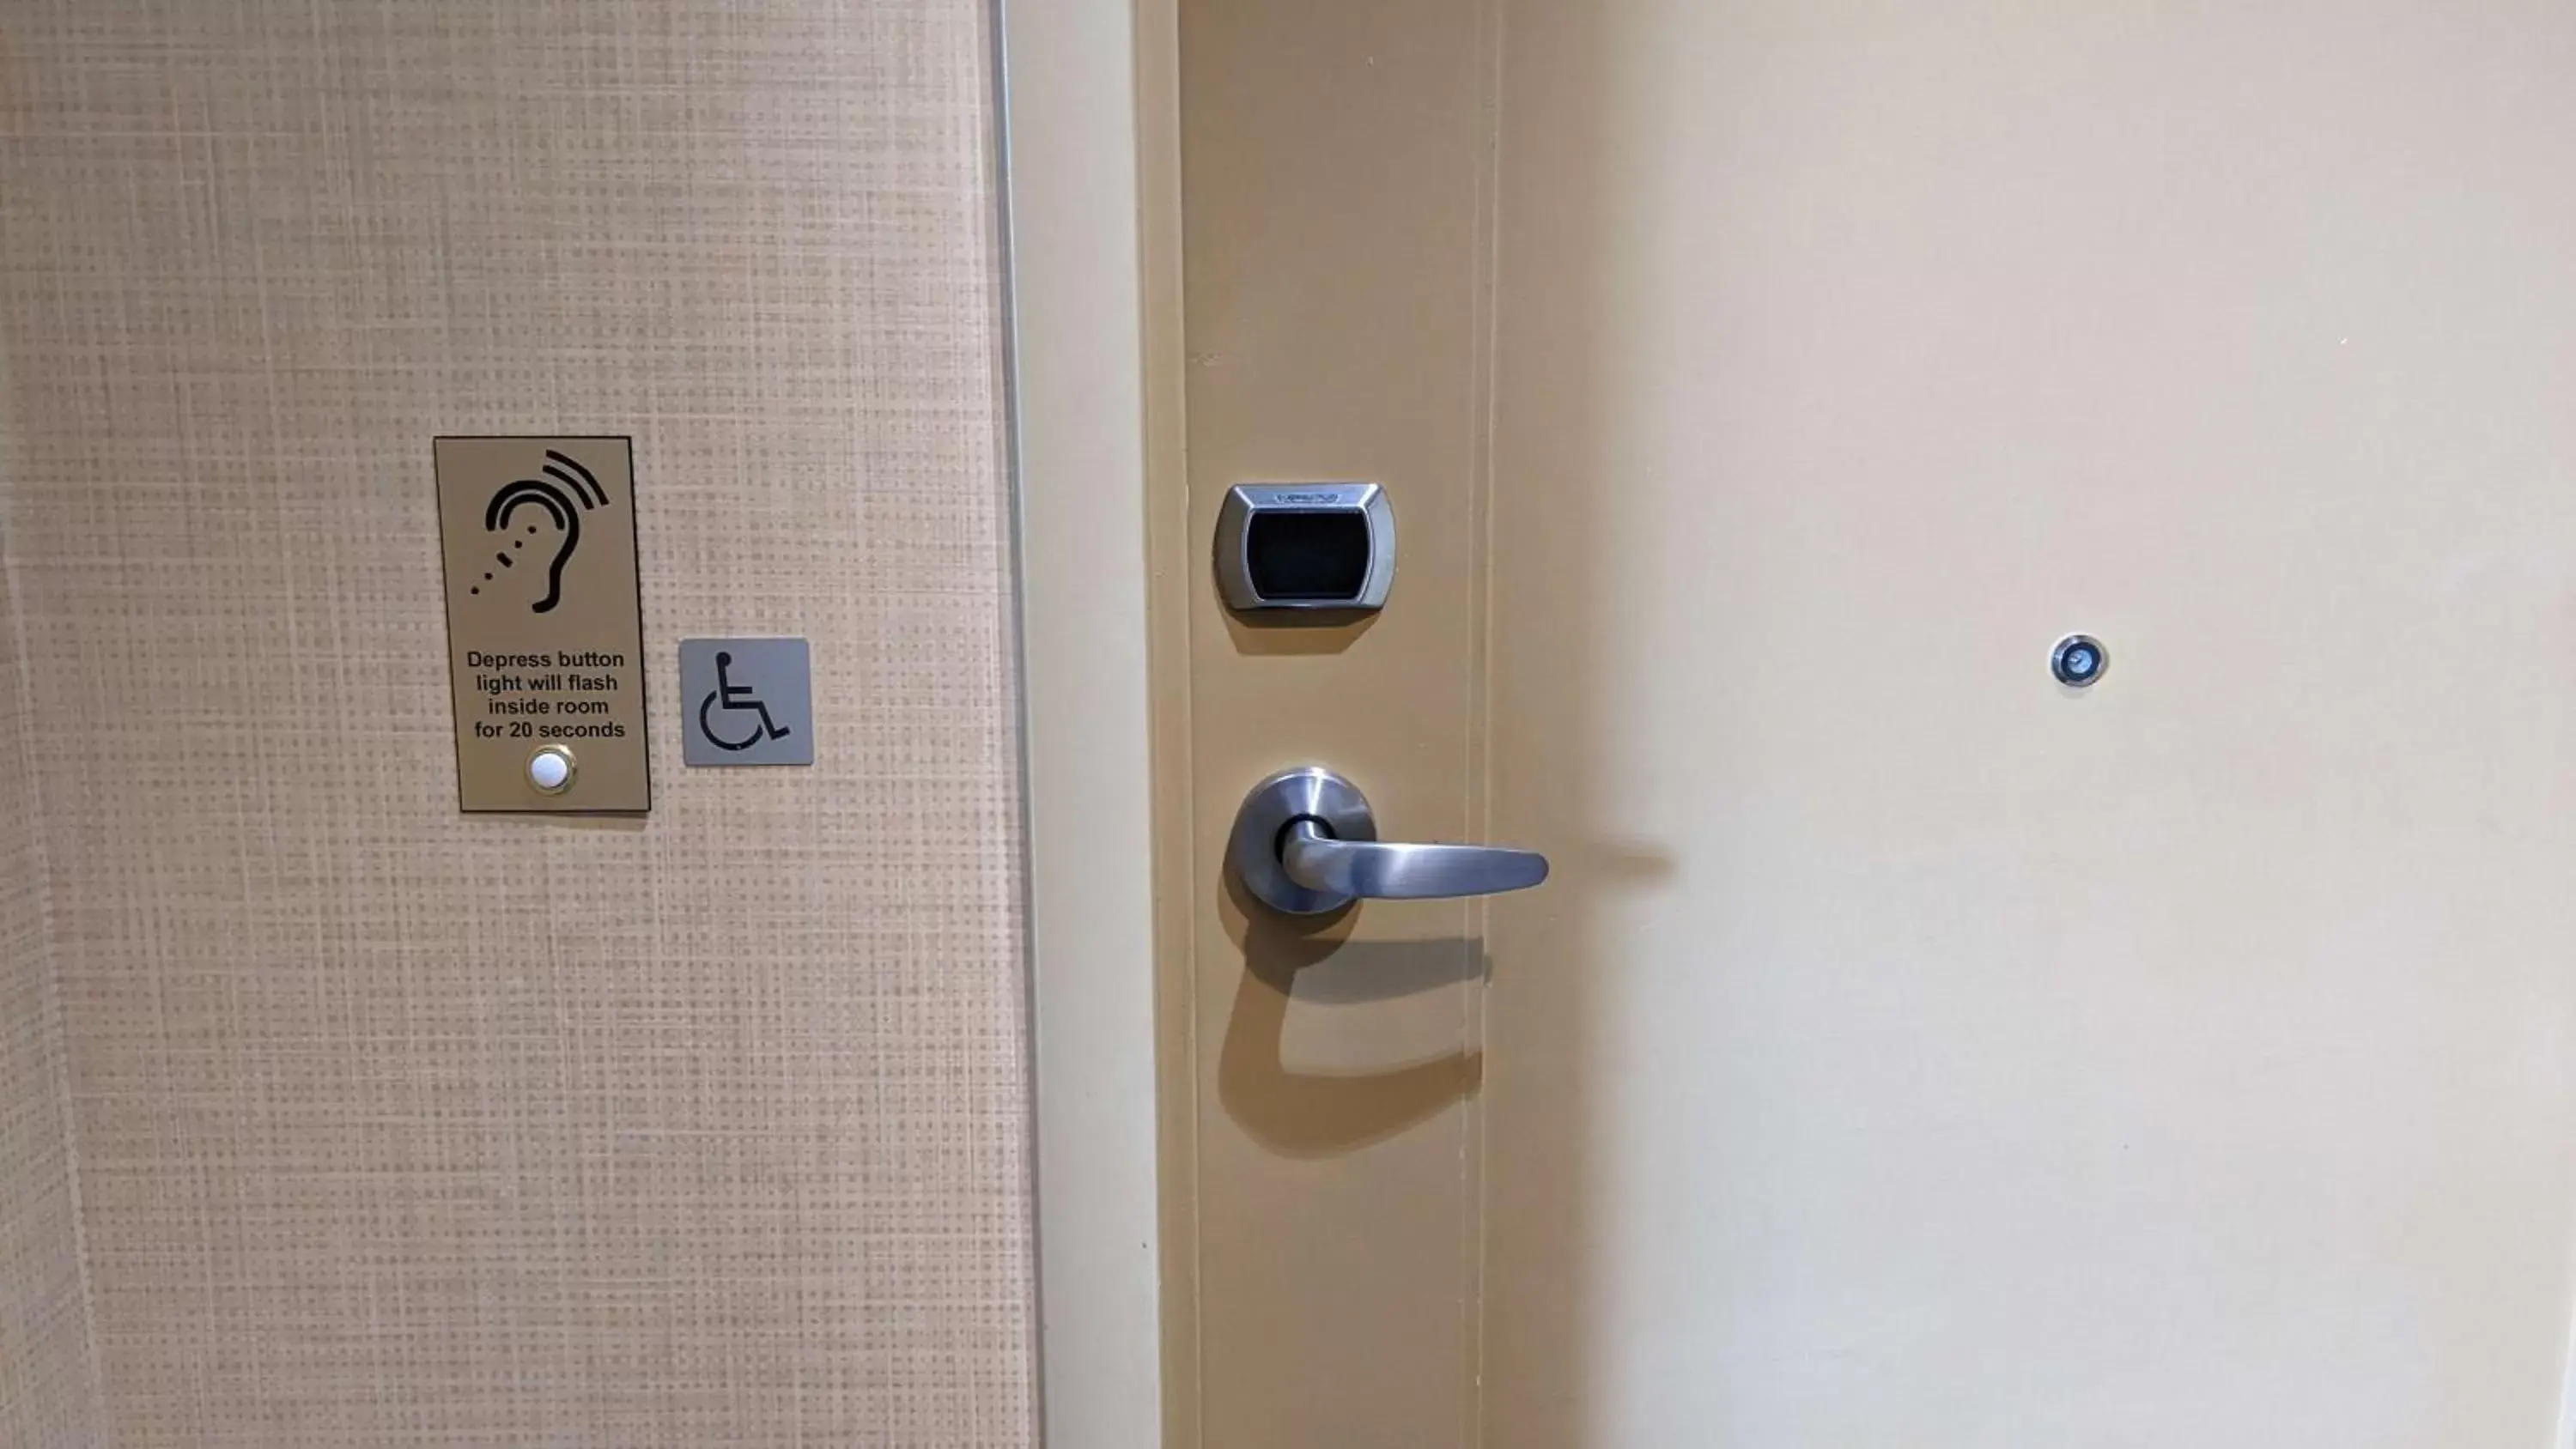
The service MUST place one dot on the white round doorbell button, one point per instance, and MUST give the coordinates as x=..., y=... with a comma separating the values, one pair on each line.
x=550, y=769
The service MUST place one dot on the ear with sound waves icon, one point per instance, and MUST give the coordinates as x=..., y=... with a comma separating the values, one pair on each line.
x=579, y=492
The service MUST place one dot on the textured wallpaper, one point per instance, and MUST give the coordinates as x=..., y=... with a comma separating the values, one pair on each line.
x=396, y=1127
x=48, y=1379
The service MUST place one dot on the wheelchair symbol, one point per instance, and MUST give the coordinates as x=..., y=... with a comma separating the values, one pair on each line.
x=734, y=698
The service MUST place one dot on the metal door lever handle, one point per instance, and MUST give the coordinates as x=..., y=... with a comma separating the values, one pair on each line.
x=1305, y=842
x=1399, y=871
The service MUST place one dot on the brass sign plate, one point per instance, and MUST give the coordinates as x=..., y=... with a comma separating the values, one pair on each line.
x=545, y=627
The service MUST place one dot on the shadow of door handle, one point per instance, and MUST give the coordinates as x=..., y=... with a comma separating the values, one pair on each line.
x=1305, y=843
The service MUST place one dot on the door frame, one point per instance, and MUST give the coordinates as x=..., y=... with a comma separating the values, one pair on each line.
x=1087, y=139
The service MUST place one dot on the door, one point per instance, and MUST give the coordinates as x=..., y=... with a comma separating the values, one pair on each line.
x=1908, y=1048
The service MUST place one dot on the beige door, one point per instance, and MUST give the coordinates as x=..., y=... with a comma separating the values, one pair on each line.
x=1909, y=1049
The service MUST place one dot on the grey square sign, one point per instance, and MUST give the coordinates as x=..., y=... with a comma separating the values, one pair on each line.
x=746, y=702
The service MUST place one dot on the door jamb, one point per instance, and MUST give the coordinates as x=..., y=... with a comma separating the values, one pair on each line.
x=1090, y=232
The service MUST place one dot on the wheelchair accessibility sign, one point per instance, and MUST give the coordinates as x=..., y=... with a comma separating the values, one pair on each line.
x=746, y=702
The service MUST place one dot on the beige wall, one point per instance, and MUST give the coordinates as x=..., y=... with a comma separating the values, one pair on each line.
x=398, y=1127
x=48, y=1377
